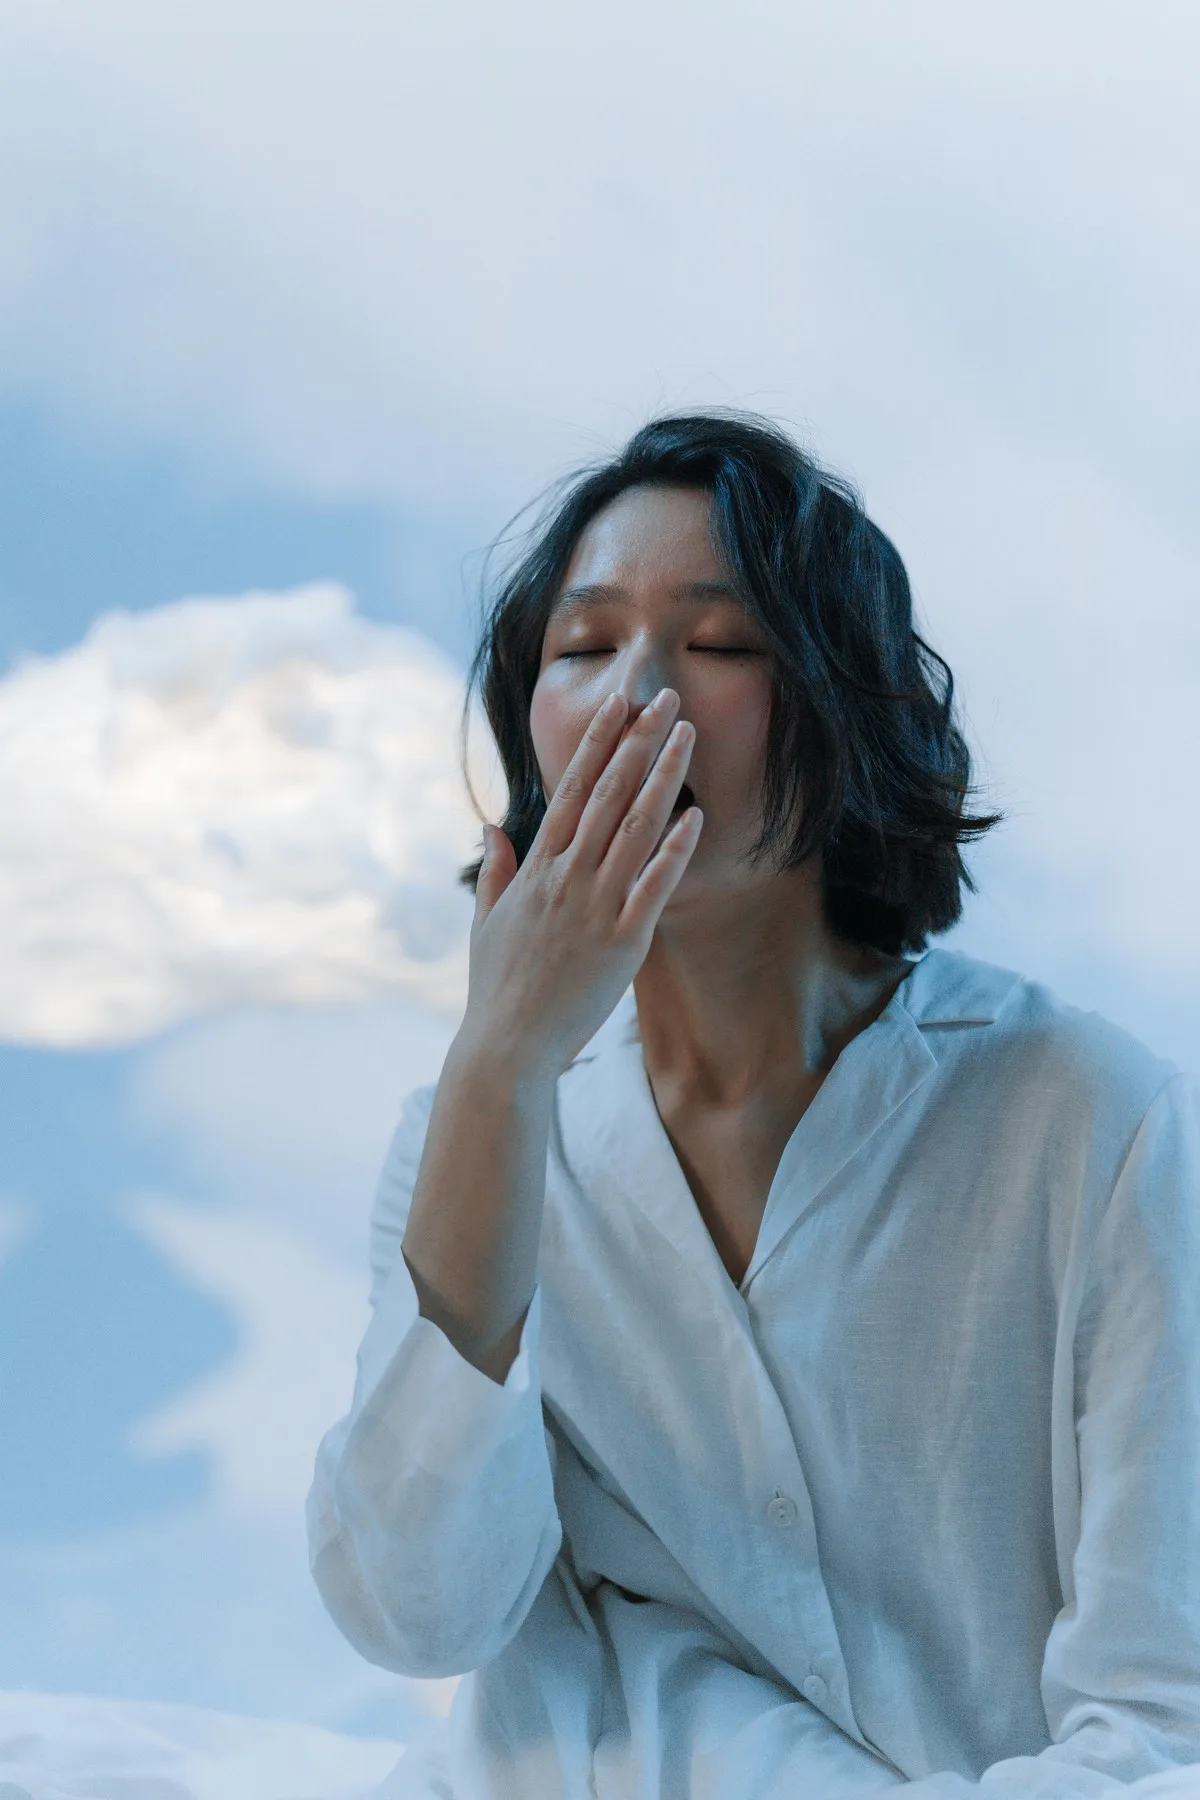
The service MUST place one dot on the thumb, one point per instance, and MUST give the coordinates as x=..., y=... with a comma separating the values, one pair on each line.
x=497, y=870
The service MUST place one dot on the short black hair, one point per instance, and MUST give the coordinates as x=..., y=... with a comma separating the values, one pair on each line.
x=865, y=762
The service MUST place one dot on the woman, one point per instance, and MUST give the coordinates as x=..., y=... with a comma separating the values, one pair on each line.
x=784, y=1376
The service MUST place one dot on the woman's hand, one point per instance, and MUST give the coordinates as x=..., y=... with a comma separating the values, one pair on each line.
x=555, y=943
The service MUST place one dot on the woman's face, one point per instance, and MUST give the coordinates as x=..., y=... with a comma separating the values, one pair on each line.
x=646, y=604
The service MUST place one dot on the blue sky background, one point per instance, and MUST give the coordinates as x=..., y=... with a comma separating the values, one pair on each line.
x=86, y=529
x=325, y=306
x=114, y=1574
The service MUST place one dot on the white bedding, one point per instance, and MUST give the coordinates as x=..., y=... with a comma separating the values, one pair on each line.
x=78, y=1747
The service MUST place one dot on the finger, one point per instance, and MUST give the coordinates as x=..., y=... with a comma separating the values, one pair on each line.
x=661, y=875
x=617, y=787
x=649, y=813
x=580, y=775
x=496, y=871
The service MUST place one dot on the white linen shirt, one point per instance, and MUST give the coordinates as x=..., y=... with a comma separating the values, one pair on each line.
x=916, y=1506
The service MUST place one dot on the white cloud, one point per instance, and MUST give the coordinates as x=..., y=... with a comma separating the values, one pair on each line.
x=16, y=1225
x=1073, y=626
x=223, y=801
x=423, y=251
x=200, y=1608
x=428, y=254
x=287, y=1116
x=300, y=1317
x=289, y=1110
x=425, y=255
x=61, y=1747
x=283, y=1115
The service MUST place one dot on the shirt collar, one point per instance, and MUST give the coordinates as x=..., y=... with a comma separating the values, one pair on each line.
x=947, y=988
x=942, y=988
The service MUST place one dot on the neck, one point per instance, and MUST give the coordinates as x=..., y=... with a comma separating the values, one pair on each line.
x=739, y=992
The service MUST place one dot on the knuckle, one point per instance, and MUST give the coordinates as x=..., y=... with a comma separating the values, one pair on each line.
x=609, y=785
x=555, y=887
x=572, y=784
x=635, y=824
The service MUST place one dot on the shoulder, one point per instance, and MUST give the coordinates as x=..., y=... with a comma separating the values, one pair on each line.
x=1030, y=1039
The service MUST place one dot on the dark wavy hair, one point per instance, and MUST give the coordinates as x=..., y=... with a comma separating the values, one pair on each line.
x=865, y=762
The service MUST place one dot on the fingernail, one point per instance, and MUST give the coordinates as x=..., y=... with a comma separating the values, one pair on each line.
x=610, y=706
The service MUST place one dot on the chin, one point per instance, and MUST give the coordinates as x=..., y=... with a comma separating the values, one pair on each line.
x=695, y=884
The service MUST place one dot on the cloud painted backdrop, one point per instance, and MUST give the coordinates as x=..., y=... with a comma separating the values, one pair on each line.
x=297, y=307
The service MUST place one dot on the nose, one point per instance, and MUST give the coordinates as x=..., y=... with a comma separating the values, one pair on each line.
x=641, y=685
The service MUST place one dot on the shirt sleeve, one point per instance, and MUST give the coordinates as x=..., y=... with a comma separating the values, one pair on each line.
x=1121, y=1673
x=431, y=1517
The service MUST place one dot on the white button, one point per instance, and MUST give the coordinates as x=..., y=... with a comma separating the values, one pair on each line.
x=814, y=1689
x=781, y=1510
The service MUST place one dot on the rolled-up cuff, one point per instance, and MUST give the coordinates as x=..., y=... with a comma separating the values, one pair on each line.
x=456, y=1414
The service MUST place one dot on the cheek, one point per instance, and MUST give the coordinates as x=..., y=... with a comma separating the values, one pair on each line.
x=731, y=722
x=556, y=725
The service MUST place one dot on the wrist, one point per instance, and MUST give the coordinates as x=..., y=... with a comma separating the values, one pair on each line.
x=501, y=1054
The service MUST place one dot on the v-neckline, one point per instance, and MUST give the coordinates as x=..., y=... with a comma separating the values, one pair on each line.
x=730, y=1229
x=874, y=1073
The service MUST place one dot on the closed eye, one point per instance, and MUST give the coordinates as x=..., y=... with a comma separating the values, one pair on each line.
x=708, y=649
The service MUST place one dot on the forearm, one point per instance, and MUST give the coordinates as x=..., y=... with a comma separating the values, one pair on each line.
x=471, y=1242
x=431, y=1518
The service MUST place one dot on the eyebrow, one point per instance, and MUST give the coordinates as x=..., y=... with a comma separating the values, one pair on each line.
x=695, y=593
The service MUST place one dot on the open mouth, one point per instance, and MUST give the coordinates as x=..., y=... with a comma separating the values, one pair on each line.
x=685, y=798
